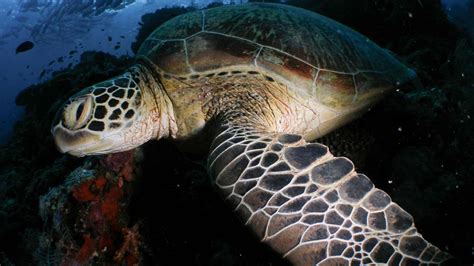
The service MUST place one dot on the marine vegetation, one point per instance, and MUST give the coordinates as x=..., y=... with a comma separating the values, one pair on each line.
x=155, y=204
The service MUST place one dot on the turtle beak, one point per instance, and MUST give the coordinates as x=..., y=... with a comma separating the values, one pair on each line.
x=79, y=143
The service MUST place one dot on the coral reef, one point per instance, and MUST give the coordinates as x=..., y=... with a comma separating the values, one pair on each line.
x=30, y=164
x=85, y=219
x=155, y=205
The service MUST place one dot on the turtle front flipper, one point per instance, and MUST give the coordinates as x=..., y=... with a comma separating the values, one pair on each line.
x=310, y=206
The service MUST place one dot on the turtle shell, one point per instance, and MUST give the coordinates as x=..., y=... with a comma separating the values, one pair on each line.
x=318, y=56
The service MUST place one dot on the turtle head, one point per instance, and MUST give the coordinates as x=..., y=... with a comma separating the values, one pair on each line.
x=112, y=116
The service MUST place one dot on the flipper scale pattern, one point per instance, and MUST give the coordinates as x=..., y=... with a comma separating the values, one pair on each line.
x=310, y=206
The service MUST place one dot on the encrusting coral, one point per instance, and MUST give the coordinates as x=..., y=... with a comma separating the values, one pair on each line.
x=86, y=219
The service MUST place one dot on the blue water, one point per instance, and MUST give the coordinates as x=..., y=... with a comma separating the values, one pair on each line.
x=62, y=35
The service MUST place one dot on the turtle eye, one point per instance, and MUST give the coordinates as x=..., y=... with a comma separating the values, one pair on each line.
x=78, y=113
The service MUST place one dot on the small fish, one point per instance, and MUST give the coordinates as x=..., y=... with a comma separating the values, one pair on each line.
x=110, y=39
x=24, y=46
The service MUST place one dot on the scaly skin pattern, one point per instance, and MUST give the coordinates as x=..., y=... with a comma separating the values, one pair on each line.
x=115, y=115
x=281, y=108
x=312, y=207
x=309, y=206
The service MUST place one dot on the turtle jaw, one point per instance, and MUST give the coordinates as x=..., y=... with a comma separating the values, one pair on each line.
x=84, y=142
x=80, y=143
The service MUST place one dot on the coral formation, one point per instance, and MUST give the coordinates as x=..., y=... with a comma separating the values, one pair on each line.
x=85, y=219
x=30, y=164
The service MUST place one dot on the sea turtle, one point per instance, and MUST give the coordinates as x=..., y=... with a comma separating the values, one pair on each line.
x=262, y=80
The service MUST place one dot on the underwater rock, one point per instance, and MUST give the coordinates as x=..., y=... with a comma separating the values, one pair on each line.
x=351, y=141
x=93, y=67
x=24, y=46
x=120, y=163
x=30, y=165
x=85, y=218
x=460, y=64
